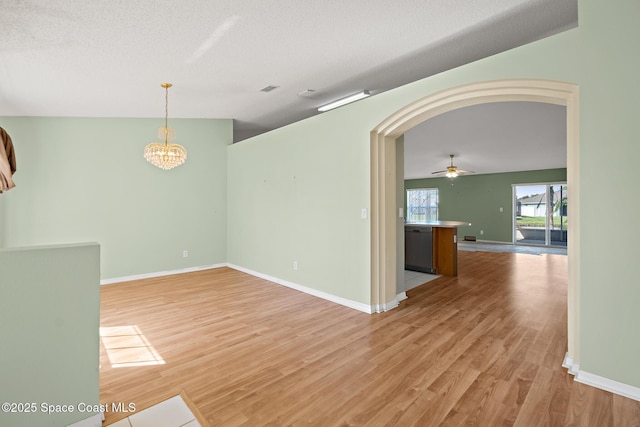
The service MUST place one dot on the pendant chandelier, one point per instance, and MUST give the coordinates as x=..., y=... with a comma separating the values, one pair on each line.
x=162, y=154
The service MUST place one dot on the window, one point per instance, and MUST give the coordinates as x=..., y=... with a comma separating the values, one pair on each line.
x=422, y=205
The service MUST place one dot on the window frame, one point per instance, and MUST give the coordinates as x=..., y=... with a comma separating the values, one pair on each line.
x=429, y=207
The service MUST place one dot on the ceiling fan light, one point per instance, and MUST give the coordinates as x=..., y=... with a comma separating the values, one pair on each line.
x=452, y=170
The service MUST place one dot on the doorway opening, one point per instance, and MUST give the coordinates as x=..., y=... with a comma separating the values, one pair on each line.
x=384, y=189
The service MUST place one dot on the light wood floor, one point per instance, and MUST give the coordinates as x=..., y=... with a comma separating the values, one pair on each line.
x=482, y=349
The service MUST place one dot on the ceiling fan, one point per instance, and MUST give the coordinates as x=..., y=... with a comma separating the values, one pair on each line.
x=452, y=171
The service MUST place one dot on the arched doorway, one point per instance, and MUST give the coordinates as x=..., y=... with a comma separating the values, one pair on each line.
x=383, y=179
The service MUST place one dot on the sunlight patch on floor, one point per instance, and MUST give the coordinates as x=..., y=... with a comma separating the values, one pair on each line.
x=126, y=346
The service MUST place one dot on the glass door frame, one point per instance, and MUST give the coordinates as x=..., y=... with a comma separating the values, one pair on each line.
x=548, y=202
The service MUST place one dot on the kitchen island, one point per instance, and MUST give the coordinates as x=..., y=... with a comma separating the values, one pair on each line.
x=432, y=247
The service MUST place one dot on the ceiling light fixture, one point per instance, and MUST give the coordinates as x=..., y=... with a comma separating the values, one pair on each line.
x=452, y=174
x=344, y=101
x=162, y=154
x=452, y=171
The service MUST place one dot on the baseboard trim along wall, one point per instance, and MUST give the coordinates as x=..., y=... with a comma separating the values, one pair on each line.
x=602, y=383
x=320, y=294
x=609, y=385
x=380, y=308
x=160, y=274
x=389, y=305
x=568, y=363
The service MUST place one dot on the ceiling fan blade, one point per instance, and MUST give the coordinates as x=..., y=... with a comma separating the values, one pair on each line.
x=453, y=169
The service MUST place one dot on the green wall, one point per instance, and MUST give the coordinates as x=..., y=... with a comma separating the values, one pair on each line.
x=296, y=195
x=49, y=322
x=609, y=137
x=478, y=198
x=274, y=219
x=85, y=179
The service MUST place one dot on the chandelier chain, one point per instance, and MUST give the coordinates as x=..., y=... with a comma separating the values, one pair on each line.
x=166, y=114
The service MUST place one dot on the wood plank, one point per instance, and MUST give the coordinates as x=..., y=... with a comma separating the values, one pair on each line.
x=482, y=348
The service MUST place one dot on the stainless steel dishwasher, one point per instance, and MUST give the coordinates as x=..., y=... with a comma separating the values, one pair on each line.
x=418, y=248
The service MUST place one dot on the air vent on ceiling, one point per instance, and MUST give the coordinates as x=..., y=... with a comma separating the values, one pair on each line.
x=269, y=88
x=307, y=93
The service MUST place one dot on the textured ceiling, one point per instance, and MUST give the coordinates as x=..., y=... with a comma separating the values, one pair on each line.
x=108, y=58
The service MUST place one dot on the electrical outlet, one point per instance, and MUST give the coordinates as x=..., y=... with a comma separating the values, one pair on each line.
x=295, y=265
x=185, y=253
x=481, y=231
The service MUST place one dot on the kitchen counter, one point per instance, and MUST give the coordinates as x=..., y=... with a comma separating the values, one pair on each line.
x=432, y=246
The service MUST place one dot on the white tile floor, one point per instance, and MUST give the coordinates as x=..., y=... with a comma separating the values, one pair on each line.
x=413, y=279
x=172, y=412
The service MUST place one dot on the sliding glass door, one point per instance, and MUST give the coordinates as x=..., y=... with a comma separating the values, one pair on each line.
x=540, y=214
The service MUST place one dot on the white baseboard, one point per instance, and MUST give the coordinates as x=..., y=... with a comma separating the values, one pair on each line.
x=609, y=385
x=379, y=308
x=320, y=294
x=599, y=382
x=568, y=363
x=401, y=296
x=93, y=421
x=160, y=274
